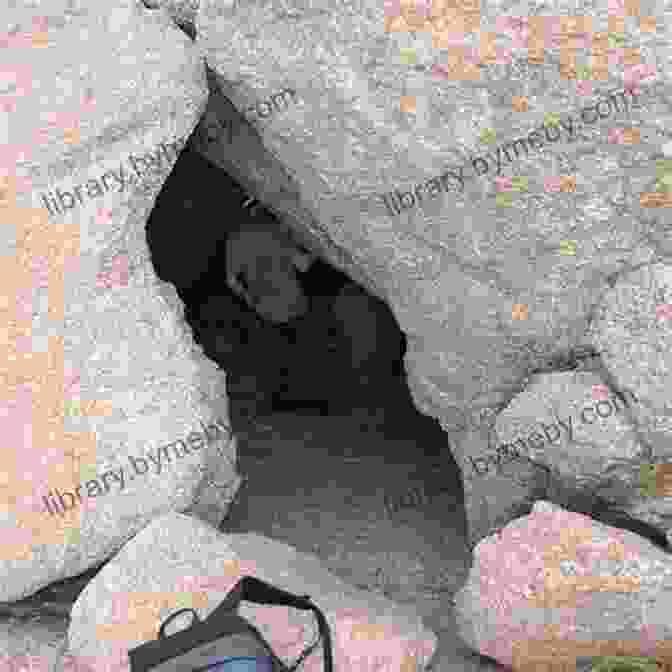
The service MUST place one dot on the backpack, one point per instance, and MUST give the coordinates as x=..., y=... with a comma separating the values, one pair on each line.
x=226, y=642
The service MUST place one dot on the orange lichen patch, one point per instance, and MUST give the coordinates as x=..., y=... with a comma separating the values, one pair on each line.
x=397, y=24
x=519, y=311
x=100, y=407
x=599, y=60
x=443, y=8
x=409, y=663
x=488, y=47
x=446, y=31
x=573, y=31
x=35, y=380
x=400, y=24
x=232, y=567
x=367, y=632
x=562, y=591
x=600, y=71
x=72, y=136
x=536, y=53
x=664, y=480
x=416, y=20
x=520, y=103
x=460, y=66
x=600, y=45
x=557, y=653
x=632, y=7
x=471, y=8
x=48, y=530
x=52, y=242
x=568, y=64
x=615, y=24
x=655, y=199
x=137, y=615
x=457, y=17
x=407, y=104
x=408, y=20
x=442, y=38
x=536, y=41
x=538, y=646
x=42, y=373
x=615, y=551
x=631, y=57
x=570, y=538
x=84, y=407
x=567, y=183
x=39, y=38
x=359, y=643
x=631, y=136
x=34, y=527
x=648, y=24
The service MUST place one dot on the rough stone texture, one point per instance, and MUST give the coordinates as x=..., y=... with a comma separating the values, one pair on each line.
x=401, y=534
x=228, y=139
x=182, y=11
x=35, y=642
x=555, y=585
x=495, y=274
x=570, y=432
x=56, y=599
x=632, y=329
x=126, y=602
x=555, y=422
x=98, y=364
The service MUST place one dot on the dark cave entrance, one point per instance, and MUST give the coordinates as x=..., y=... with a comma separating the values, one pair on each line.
x=317, y=363
x=299, y=367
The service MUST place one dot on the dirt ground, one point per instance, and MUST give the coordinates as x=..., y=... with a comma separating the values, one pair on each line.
x=331, y=486
x=380, y=502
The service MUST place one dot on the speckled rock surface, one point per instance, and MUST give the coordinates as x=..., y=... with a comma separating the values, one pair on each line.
x=566, y=432
x=102, y=382
x=555, y=585
x=182, y=11
x=401, y=534
x=528, y=202
x=35, y=642
x=126, y=602
x=633, y=330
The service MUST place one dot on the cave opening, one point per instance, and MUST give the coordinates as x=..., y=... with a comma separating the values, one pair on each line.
x=342, y=356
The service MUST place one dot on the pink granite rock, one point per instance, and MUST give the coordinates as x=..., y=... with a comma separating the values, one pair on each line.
x=556, y=585
x=124, y=605
x=87, y=324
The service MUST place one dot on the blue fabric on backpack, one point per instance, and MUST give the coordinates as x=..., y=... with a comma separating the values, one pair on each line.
x=219, y=642
x=243, y=664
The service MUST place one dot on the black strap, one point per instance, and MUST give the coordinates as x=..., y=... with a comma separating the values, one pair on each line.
x=252, y=589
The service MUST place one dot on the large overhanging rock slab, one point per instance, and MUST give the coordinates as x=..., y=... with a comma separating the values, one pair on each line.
x=464, y=163
x=111, y=415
